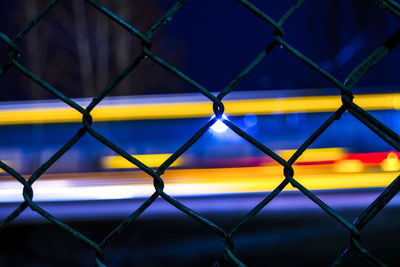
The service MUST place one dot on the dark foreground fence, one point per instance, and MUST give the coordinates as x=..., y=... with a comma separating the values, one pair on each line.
x=288, y=177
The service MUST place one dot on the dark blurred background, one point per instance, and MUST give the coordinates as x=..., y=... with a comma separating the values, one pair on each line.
x=285, y=237
x=78, y=50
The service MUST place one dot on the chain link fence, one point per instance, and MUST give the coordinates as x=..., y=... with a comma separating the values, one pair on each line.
x=288, y=177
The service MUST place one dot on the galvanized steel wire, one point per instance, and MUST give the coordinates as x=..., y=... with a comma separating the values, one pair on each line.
x=288, y=177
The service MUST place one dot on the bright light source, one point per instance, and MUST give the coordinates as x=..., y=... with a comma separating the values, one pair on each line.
x=391, y=163
x=219, y=126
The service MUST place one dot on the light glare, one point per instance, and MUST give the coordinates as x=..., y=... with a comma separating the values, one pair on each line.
x=219, y=126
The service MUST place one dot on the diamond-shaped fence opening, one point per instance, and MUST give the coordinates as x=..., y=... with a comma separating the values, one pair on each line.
x=289, y=177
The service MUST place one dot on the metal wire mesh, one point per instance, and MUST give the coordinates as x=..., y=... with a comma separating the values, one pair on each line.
x=227, y=237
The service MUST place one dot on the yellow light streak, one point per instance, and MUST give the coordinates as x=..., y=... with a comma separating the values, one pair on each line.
x=151, y=160
x=315, y=154
x=259, y=179
x=190, y=182
x=197, y=109
x=349, y=166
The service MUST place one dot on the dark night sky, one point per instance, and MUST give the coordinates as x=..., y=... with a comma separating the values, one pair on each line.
x=223, y=37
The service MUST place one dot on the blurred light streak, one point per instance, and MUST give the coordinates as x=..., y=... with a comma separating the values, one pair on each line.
x=349, y=166
x=315, y=154
x=194, y=109
x=373, y=158
x=151, y=160
x=64, y=191
x=188, y=182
